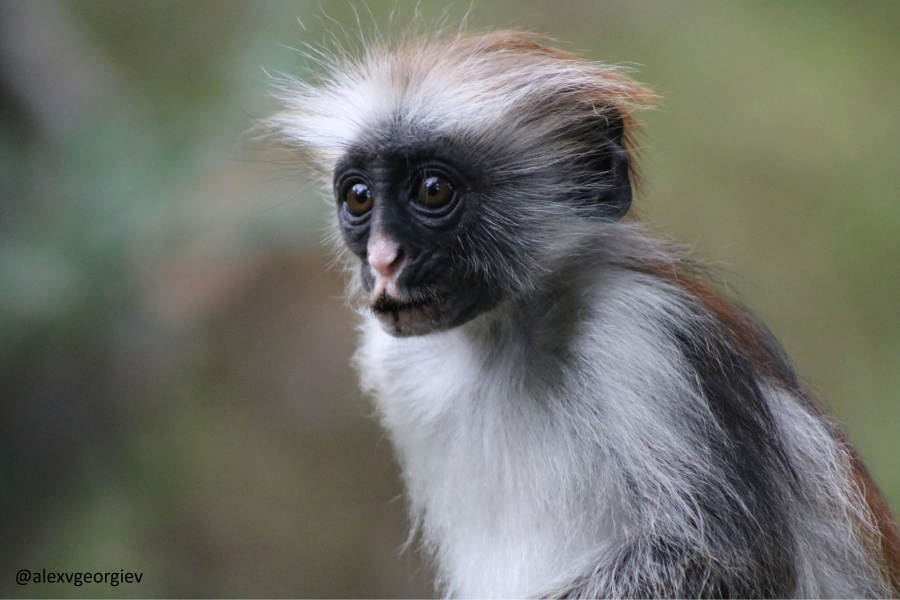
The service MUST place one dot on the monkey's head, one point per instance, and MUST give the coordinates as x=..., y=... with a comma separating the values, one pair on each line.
x=460, y=167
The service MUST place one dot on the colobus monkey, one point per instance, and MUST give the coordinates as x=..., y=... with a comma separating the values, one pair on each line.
x=576, y=412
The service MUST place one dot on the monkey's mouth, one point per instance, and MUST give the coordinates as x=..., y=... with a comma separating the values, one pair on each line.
x=406, y=316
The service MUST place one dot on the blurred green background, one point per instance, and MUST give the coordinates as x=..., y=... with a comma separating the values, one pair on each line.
x=175, y=395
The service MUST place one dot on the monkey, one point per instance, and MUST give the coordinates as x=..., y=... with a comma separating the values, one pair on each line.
x=576, y=410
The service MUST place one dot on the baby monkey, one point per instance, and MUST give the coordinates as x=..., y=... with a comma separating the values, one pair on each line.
x=576, y=412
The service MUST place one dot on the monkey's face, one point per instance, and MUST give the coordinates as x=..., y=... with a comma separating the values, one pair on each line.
x=411, y=216
x=465, y=170
x=446, y=228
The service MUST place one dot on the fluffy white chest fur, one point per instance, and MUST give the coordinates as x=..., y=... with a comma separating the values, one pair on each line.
x=482, y=462
x=507, y=470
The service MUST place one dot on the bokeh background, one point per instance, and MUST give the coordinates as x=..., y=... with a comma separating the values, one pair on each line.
x=175, y=395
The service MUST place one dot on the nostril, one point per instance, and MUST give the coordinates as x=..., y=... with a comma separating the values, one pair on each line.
x=385, y=256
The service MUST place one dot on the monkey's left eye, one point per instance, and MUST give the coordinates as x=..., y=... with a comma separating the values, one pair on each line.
x=434, y=192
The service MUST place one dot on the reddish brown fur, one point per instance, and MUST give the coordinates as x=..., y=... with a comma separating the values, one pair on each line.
x=612, y=93
x=632, y=96
x=745, y=335
x=742, y=331
x=884, y=520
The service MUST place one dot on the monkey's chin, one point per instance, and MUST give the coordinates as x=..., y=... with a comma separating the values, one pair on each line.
x=405, y=318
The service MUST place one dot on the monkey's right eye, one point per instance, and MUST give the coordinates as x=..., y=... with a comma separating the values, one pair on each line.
x=358, y=200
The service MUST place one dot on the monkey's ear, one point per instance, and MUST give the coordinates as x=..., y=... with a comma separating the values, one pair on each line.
x=616, y=198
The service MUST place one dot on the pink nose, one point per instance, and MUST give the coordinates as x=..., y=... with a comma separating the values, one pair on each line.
x=384, y=257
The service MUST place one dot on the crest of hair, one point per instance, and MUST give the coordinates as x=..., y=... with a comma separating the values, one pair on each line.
x=460, y=81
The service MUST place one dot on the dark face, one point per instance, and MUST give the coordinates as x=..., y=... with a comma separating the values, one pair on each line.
x=407, y=214
x=446, y=230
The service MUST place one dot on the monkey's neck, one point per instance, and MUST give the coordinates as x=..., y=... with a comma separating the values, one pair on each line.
x=480, y=417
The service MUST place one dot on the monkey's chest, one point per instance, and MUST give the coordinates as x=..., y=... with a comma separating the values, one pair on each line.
x=488, y=468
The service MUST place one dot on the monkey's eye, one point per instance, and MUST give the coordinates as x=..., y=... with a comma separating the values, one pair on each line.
x=434, y=192
x=358, y=200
